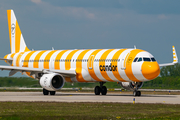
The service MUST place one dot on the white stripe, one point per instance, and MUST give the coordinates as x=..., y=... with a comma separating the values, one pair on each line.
x=74, y=57
x=22, y=44
x=52, y=59
x=41, y=64
x=110, y=73
x=13, y=24
x=9, y=56
x=15, y=58
x=85, y=64
x=73, y=63
x=30, y=64
x=96, y=65
x=62, y=64
x=22, y=58
x=121, y=71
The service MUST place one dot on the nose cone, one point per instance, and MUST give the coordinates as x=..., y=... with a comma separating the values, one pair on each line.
x=150, y=70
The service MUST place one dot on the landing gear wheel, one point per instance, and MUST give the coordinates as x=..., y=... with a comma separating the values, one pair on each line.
x=97, y=90
x=45, y=92
x=104, y=90
x=52, y=92
x=137, y=93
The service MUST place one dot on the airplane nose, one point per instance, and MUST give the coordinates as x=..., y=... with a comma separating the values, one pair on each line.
x=150, y=70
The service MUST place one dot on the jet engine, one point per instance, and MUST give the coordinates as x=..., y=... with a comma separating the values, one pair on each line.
x=131, y=85
x=52, y=81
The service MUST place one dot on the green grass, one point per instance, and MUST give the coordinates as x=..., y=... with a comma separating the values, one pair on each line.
x=86, y=111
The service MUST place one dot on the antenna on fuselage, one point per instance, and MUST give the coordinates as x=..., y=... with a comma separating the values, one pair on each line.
x=134, y=47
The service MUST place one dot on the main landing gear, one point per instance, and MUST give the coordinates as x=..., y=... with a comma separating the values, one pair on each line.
x=46, y=92
x=100, y=89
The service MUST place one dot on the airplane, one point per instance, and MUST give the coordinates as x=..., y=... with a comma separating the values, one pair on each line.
x=52, y=68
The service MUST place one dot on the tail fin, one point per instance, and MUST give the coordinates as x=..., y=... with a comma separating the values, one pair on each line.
x=175, y=58
x=17, y=43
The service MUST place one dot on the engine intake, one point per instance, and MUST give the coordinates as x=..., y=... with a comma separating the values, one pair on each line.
x=52, y=81
x=130, y=85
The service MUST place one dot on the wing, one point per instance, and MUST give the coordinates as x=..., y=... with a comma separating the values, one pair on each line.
x=13, y=70
x=175, y=59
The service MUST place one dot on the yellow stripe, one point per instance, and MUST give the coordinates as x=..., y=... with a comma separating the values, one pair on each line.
x=27, y=58
x=36, y=63
x=17, y=37
x=91, y=71
x=116, y=73
x=102, y=62
x=68, y=63
x=12, y=55
x=28, y=73
x=68, y=79
x=26, y=49
x=58, y=57
x=79, y=76
x=47, y=58
x=18, y=58
x=129, y=61
x=9, y=24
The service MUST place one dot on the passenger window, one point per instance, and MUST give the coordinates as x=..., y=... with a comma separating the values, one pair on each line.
x=153, y=59
x=146, y=59
x=135, y=59
x=140, y=59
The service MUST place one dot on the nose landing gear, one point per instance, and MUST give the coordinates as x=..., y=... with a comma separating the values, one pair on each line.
x=100, y=89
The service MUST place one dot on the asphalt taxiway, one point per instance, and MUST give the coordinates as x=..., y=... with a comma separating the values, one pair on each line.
x=87, y=97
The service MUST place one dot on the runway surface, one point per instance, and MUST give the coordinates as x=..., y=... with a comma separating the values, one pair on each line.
x=88, y=97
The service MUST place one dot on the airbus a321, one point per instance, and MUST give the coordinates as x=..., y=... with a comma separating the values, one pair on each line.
x=52, y=68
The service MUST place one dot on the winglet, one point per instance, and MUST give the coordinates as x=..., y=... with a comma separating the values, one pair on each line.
x=175, y=58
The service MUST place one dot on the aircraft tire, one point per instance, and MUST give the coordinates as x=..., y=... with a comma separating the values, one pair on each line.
x=104, y=90
x=138, y=93
x=97, y=90
x=52, y=92
x=45, y=92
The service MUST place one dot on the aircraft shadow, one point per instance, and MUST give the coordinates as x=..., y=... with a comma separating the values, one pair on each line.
x=144, y=95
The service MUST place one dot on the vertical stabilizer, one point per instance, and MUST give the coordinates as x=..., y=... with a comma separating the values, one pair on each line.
x=17, y=43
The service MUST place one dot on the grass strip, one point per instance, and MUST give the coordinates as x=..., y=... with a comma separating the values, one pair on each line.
x=87, y=111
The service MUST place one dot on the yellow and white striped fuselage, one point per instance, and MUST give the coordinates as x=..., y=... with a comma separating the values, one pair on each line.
x=92, y=65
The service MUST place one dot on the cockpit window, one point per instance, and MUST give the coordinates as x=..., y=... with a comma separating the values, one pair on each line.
x=146, y=59
x=140, y=59
x=135, y=59
x=153, y=59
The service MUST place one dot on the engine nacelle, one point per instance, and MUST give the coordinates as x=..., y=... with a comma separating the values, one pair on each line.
x=52, y=81
x=131, y=85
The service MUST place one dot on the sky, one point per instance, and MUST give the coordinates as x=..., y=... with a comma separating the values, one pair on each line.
x=151, y=25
